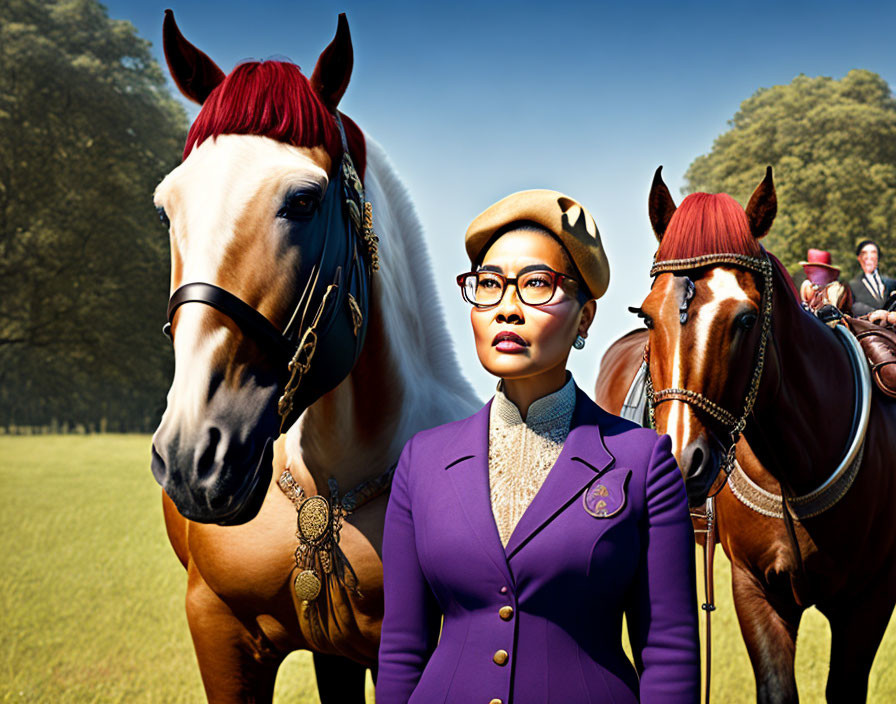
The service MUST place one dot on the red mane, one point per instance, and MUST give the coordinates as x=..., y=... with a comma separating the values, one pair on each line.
x=708, y=223
x=273, y=99
x=785, y=278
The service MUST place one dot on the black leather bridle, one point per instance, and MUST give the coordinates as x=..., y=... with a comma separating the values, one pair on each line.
x=326, y=331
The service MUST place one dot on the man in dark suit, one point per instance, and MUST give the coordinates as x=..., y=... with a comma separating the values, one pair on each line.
x=870, y=290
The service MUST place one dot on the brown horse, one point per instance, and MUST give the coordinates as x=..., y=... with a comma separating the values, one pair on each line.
x=730, y=349
x=271, y=232
x=763, y=562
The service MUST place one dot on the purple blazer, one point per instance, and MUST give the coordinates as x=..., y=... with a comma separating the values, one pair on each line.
x=608, y=533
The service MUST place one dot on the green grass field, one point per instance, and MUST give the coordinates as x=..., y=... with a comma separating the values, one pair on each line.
x=92, y=594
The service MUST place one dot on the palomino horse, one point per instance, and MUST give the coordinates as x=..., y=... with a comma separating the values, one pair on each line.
x=273, y=257
x=731, y=351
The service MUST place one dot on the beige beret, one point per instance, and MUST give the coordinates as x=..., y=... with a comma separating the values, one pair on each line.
x=557, y=213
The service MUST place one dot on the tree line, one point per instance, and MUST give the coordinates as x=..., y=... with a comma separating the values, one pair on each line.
x=832, y=144
x=88, y=128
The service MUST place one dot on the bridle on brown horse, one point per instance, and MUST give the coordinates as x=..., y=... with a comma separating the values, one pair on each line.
x=735, y=425
x=728, y=420
x=329, y=322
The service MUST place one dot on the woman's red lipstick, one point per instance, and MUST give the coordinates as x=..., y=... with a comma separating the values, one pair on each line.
x=506, y=341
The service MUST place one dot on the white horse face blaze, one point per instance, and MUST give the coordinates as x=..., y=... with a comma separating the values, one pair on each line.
x=694, y=347
x=222, y=202
x=221, y=182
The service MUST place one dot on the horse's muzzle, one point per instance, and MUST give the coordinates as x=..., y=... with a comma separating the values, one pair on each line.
x=219, y=472
x=214, y=499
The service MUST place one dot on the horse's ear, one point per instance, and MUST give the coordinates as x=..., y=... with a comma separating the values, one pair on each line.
x=763, y=206
x=334, y=67
x=660, y=205
x=193, y=72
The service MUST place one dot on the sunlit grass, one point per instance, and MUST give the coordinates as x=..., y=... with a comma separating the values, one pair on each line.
x=92, y=594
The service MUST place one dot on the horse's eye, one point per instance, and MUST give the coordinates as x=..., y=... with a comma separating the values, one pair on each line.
x=163, y=216
x=746, y=321
x=298, y=206
x=648, y=321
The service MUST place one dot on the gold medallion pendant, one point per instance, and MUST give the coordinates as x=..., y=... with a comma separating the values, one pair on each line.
x=314, y=519
x=314, y=530
x=318, y=524
x=307, y=585
x=317, y=530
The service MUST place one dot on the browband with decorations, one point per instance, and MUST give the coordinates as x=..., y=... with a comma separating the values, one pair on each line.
x=675, y=265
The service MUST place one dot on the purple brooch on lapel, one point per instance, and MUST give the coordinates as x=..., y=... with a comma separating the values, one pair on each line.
x=605, y=496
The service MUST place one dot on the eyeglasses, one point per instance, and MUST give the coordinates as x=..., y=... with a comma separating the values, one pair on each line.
x=535, y=287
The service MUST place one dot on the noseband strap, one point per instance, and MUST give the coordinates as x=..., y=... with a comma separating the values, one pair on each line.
x=698, y=400
x=249, y=320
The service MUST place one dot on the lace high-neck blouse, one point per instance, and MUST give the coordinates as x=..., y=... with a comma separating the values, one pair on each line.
x=522, y=452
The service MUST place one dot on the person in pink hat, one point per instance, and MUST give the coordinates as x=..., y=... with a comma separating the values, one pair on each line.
x=821, y=286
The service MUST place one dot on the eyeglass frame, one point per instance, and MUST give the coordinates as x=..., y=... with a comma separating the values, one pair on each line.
x=581, y=296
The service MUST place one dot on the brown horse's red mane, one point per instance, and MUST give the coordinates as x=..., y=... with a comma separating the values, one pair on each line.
x=708, y=223
x=714, y=223
x=785, y=278
x=274, y=99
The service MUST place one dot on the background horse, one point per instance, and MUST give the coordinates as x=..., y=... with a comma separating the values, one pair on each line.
x=764, y=565
x=261, y=196
x=726, y=332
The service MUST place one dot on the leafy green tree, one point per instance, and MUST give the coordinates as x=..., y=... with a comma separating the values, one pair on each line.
x=87, y=129
x=832, y=144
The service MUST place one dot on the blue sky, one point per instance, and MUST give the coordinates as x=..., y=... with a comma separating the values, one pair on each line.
x=473, y=101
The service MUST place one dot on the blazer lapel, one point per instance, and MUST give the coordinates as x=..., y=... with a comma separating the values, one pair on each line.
x=872, y=288
x=466, y=461
x=584, y=456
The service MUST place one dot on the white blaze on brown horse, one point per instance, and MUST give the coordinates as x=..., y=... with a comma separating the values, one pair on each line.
x=244, y=210
x=802, y=422
x=709, y=339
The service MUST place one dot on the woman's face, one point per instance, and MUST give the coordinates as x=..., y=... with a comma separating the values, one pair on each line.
x=543, y=334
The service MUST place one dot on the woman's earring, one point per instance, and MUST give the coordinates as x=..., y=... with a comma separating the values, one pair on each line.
x=579, y=343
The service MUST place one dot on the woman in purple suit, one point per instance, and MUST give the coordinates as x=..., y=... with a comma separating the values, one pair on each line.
x=517, y=538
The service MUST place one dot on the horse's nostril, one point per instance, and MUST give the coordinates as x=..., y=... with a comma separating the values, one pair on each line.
x=206, y=460
x=158, y=466
x=697, y=460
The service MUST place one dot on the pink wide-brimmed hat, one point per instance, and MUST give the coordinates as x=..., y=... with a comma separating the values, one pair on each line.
x=819, y=269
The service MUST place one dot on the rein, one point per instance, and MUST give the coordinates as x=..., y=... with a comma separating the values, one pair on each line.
x=709, y=550
x=329, y=322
